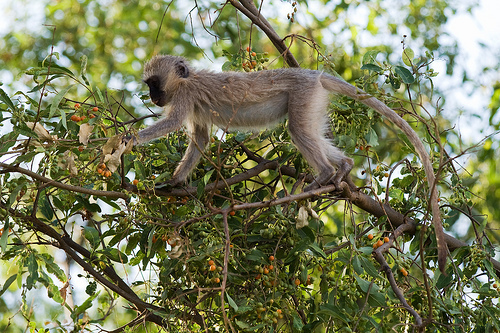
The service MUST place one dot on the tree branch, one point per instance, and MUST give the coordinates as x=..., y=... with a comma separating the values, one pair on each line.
x=72, y=188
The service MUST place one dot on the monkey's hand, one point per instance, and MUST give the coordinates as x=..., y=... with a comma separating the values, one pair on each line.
x=128, y=138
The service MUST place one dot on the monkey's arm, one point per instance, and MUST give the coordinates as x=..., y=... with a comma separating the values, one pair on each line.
x=173, y=121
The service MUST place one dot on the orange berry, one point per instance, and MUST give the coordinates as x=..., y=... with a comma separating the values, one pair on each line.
x=495, y=285
x=266, y=271
x=248, y=49
x=380, y=243
x=107, y=173
x=211, y=262
x=254, y=54
x=403, y=271
x=254, y=63
x=271, y=258
x=370, y=236
x=278, y=311
x=297, y=282
x=77, y=105
x=75, y=118
x=257, y=277
x=82, y=118
x=386, y=239
x=213, y=268
x=92, y=116
x=217, y=280
x=95, y=109
x=232, y=213
x=135, y=182
x=271, y=267
x=80, y=148
x=100, y=171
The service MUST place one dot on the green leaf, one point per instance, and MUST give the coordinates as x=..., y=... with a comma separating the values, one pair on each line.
x=114, y=255
x=57, y=100
x=53, y=268
x=372, y=67
x=369, y=267
x=231, y=302
x=32, y=266
x=82, y=308
x=404, y=74
x=92, y=236
x=5, y=236
x=45, y=207
x=408, y=56
x=6, y=99
x=317, y=250
x=7, y=283
x=369, y=58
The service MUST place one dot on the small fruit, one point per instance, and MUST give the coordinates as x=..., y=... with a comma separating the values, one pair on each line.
x=248, y=49
x=386, y=239
x=135, y=182
x=211, y=262
x=403, y=271
x=216, y=280
x=232, y=213
x=95, y=109
x=80, y=148
x=266, y=271
x=297, y=282
x=213, y=268
x=92, y=116
x=370, y=236
x=271, y=258
x=77, y=106
x=271, y=267
x=254, y=54
x=380, y=243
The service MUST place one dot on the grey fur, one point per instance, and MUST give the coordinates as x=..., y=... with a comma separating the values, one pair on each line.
x=200, y=98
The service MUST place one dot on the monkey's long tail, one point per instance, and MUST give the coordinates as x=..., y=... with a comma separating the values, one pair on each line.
x=336, y=85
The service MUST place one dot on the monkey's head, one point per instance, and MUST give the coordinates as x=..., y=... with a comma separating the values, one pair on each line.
x=163, y=74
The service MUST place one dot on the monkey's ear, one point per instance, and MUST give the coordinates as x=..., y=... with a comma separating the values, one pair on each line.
x=182, y=69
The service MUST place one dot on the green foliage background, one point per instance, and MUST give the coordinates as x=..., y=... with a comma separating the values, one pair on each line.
x=323, y=276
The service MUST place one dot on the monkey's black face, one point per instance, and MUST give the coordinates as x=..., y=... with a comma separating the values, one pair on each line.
x=158, y=96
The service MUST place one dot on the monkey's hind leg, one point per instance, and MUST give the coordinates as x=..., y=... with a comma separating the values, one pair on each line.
x=199, y=137
x=314, y=147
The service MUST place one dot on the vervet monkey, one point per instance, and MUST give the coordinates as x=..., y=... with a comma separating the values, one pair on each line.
x=200, y=98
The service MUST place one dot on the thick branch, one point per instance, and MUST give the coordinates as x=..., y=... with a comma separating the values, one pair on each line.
x=248, y=9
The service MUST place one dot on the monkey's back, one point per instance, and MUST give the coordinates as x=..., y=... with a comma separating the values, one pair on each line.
x=249, y=100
